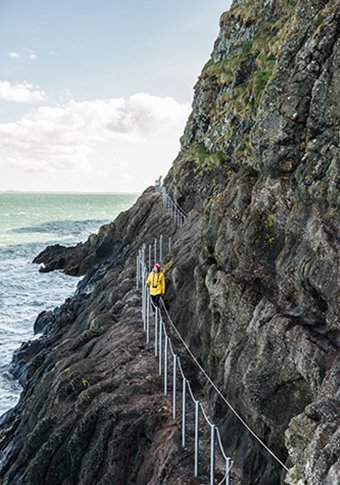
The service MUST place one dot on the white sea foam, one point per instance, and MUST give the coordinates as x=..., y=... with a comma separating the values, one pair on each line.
x=35, y=221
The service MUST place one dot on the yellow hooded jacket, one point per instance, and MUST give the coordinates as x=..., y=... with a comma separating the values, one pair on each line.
x=156, y=281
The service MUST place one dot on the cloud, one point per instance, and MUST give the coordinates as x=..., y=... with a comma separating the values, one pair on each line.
x=69, y=136
x=143, y=114
x=21, y=92
x=32, y=55
x=13, y=55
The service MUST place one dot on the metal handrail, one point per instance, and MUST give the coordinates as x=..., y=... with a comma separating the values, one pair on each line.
x=228, y=461
x=178, y=214
x=161, y=334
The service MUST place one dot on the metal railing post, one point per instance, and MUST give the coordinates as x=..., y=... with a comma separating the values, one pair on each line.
x=141, y=268
x=145, y=292
x=137, y=272
x=227, y=471
x=174, y=387
x=144, y=305
x=212, y=454
x=160, y=355
x=196, y=466
x=149, y=258
x=156, y=331
x=184, y=390
x=160, y=249
x=143, y=253
x=166, y=366
x=155, y=251
x=148, y=318
x=169, y=244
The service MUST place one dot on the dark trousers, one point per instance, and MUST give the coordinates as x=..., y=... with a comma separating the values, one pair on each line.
x=155, y=301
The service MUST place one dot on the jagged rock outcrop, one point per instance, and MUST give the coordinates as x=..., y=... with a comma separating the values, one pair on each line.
x=97, y=251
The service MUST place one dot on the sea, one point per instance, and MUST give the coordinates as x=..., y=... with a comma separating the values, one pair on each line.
x=28, y=223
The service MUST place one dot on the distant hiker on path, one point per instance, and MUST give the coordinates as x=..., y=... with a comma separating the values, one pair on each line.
x=156, y=281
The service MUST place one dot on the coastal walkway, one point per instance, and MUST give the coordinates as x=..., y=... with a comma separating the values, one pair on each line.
x=160, y=332
x=158, y=327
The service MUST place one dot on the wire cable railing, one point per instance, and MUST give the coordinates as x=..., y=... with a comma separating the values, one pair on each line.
x=171, y=370
x=174, y=210
x=153, y=252
x=142, y=269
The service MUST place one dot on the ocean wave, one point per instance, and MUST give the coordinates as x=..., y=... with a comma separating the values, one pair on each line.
x=60, y=227
x=24, y=292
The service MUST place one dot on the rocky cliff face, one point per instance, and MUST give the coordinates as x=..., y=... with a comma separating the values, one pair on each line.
x=92, y=409
x=253, y=281
x=259, y=171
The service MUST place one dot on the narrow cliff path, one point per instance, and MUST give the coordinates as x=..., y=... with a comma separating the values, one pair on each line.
x=93, y=410
x=97, y=413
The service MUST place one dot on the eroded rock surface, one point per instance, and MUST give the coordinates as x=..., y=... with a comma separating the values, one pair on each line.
x=255, y=272
x=92, y=409
x=253, y=280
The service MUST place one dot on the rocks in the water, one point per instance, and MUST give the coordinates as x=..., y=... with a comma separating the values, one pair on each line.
x=43, y=319
x=75, y=260
x=28, y=358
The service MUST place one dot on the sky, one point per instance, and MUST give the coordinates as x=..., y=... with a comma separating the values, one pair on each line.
x=94, y=96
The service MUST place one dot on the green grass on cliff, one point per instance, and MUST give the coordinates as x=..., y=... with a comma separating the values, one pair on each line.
x=224, y=71
x=256, y=58
x=234, y=85
x=260, y=80
x=205, y=159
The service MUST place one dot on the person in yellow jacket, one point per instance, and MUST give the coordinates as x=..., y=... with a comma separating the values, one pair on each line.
x=156, y=281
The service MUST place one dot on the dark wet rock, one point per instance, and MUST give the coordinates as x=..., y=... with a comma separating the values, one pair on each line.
x=43, y=319
x=27, y=358
x=96, y=414
x=74, y=261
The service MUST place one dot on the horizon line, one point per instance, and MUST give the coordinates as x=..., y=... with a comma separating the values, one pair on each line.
x=9, y=191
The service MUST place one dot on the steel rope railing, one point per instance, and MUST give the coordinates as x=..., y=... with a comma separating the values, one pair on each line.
x=175, y=211
x=153, y=253
x=141, y=263
x=220, y=393
x=163, y=346
x=159, y=247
